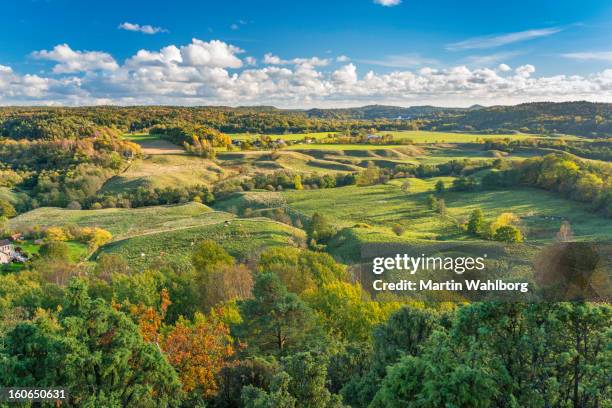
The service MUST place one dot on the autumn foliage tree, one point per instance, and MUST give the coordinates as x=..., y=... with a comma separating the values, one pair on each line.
x=198, y=350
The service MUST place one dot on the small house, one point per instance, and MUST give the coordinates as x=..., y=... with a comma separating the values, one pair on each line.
x=6, y=251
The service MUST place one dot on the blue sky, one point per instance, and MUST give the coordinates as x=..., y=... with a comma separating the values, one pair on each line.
x=411, y=52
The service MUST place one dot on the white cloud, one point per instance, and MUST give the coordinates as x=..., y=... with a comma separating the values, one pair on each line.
x=388, y=3
x=76, y=61
x=206, y=73
x=400, y=61
x=491, y=41
x=145, y=29
x=211, y=54
x=342, y=58
x=250, y=60
x=590, y=56
x=491, y=59
x=345, y=75
x=272, y=59
x=234, y=26
x=525, y=70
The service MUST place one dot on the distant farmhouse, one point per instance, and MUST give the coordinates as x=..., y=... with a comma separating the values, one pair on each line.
x=8, y=253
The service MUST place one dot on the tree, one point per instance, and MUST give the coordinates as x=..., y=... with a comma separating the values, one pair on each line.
x=297, y=182
x=441, y=207
x=299, y=269
x=94, y=351
x=229, y=282
x=275, y=321
x=508, y=233
x=208, y=255
x=405, y=333
x=6, y=209
x=347, y=311
x=301, y=384
x=56, y=234
x=56, y=250
x=439, y=188
x=198, y=350
x=320, y=229
x=207, y=259
x=257, y=372
x=465, y=184
x=431, y=201
x=371, y=175
x=277, y=397
x=476, y=222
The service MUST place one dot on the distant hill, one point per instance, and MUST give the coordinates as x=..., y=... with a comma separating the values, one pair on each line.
x=579, y=118
x=371, y=112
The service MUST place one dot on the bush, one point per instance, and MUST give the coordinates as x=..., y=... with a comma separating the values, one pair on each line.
x=508, y=233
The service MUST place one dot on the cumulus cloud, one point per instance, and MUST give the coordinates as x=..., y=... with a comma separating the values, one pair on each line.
x=342, y=58
x=491, y=41
x=272, y=59
x=213, y=72
x=212, y=54
x=76, y=61
x=388, y=3
x=145, y=29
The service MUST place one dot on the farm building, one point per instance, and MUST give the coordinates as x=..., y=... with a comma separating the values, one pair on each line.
x=6, y=251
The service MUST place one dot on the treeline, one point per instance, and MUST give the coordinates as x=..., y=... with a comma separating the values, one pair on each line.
x=285, y=329
x=575, y=179
x=282, y=180
x=145, y=197
x=596, y=149
x=575, y=118
x=48, y=123
x=578, y=118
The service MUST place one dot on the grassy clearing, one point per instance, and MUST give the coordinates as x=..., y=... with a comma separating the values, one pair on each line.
x=123, y=222
x=427, y=137
x=289, y=136
x=165, y=170
x=242, y=238
x=139, y=137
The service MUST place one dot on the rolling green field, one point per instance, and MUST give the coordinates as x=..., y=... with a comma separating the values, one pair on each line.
x=164, y=170
x=289, y=136
x=122, y=222
x=417, y=136
x=364, y=215
x=242, y=238
x=368, y=213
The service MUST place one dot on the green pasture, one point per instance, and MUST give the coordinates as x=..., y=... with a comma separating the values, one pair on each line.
x=122, y=222
x=242, y=238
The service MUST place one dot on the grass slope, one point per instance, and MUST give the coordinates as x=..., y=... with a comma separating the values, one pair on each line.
x=121, y=222
x=165, y=170
x=242, y=238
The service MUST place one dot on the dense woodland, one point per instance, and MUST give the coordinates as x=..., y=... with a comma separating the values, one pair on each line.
x=306, y=337
x=579, y=118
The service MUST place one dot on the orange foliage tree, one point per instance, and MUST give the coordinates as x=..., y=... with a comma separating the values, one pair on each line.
x=198, y=350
